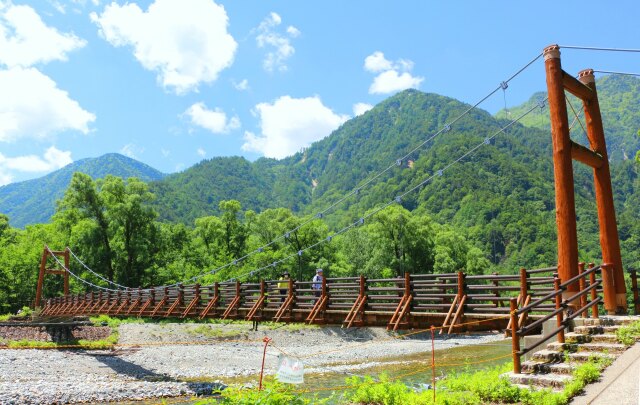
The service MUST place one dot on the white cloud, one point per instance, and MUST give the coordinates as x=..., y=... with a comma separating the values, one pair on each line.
x=5, y=178
x=32, y=106
x=280, y=44
x=132, y=150
x=293, y=31
x=212, y=120
x=361, y=108
x=390, y=81
x=392, y=76
x=201, y=152
x=290, y=124
x=53, y=159
x=242, y=85
x=186, y=45
x=26, y=40
x=376, y=62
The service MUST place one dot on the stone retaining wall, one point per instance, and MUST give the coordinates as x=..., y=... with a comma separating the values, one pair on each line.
x=54, y=334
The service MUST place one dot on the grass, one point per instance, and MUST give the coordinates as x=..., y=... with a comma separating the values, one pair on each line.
x=629, y=334
x=465, y=388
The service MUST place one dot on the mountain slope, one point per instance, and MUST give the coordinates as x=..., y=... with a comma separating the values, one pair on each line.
x=619, y=99
x=33, y=201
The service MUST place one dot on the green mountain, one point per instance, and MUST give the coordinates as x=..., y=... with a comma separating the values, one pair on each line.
x=502, y=196
x=619, y=98
x=33, y=201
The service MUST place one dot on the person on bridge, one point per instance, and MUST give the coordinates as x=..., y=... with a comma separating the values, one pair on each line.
x=317, y=283
x=283, y=285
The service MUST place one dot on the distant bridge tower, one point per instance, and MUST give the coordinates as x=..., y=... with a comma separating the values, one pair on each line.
x=564, y=152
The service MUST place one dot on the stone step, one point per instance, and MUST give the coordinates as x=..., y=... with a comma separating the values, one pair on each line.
x=547, y=356
x=610, y=329
x=582, y=357
x=539, y=380
x=612, y=348
x=609, y=320
x=573, y=337
x=589, y=329
x=562, y=347
x=530, y=366
x=604, y=338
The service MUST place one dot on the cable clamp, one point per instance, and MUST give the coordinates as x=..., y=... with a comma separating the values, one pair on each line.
x=399, y=162
x=487, y=141
x=440, y=172
x=398, y=199
x=541, y=104
x=447, y=128
x=504, y=85
x=319, y=215
x=361, y=221
x=299, y=252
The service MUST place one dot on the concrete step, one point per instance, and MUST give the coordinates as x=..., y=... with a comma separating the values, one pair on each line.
x=589, y=329
x=582, y=357
x=610, y=329
x=547, y=356
x=612, y=348
x=529, y=367
x=604, y=338
x=539, y=380
x=573, y=337
x=609, y=320
x=563, y=347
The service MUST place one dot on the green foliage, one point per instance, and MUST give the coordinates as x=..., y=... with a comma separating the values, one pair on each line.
x=273, y=393
x=628, y=334
x=384, y=392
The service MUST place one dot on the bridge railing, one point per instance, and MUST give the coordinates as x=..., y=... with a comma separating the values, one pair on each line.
x=567, y=306
x=452, y=294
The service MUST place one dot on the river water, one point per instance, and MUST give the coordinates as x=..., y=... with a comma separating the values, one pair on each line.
x=414, y=370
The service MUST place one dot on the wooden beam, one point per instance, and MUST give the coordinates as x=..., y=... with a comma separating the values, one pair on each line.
x=585, y=155
x=575, y=87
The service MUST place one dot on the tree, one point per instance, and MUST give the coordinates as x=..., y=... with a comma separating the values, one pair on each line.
x=112, y=223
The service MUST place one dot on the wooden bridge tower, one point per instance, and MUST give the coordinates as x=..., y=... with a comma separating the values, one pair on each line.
x=44, y=270
x=564, y=152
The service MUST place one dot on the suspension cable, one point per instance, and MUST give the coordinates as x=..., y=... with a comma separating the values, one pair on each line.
x=595, y=48
x=446, y=128
x=118, y=286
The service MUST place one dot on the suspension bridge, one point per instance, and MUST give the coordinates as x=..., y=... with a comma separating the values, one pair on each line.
x=452, y=302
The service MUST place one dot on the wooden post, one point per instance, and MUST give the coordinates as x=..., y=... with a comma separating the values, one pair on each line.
x=609, y=242
x=43, y=266
x=560, y=315
x=594, y=293
x=66, y=271
x=582, y=283
x=523, y=285
x=515, y=342
x=496, y=292
x=461, y=286
x=562, y=170
x=608, y=285
x=634, y=288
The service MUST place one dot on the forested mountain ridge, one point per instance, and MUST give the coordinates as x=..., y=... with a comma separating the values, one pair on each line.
x=619, y=99
x=33, y=201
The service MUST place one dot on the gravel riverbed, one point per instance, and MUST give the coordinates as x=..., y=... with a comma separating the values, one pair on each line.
x=164, y=360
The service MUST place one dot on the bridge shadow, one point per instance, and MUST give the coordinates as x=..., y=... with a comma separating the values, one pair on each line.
x=127, y=368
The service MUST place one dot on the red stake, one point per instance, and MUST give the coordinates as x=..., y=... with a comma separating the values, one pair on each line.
x=266, y=341
x=433, y=364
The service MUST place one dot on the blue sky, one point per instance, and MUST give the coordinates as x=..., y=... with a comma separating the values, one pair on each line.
x=172, y=82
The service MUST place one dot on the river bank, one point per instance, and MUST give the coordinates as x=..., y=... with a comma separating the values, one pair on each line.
x=168, y=360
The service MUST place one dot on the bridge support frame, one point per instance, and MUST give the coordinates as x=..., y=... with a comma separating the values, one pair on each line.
x=44, y=271
x=564, y=152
